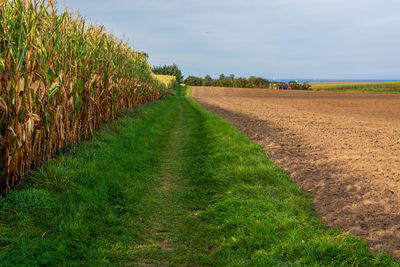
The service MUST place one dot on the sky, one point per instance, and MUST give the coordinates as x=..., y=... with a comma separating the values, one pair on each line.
x=274, y=39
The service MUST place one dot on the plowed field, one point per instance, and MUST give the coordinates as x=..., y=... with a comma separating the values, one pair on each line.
x=343, y=148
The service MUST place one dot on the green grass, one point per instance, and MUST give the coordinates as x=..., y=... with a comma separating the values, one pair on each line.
x=83, y=207
x=170, y=184
x=387, y=87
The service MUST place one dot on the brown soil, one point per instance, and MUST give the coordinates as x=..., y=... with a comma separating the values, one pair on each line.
x=344, y=148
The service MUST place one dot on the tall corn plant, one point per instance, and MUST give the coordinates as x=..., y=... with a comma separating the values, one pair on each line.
x=59, y=80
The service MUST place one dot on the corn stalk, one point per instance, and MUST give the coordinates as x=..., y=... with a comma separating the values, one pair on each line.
x=60, y=80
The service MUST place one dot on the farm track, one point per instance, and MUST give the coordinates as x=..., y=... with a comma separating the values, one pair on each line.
x=344, y=148
x=165, y=216
x=158, y=244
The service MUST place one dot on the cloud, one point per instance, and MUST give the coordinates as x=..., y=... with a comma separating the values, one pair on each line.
x=281, y=38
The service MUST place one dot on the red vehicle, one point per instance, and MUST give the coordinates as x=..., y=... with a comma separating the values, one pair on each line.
x=284, y=86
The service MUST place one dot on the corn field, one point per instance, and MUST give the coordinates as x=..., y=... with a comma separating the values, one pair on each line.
x=60, y=79
x=168, y=80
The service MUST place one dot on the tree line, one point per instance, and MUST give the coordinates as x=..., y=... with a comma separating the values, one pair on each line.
x=228, y=81
x=224, y=81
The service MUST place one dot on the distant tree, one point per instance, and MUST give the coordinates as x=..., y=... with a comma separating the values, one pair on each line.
x=224, y=81
x=207, y=81
x=240, y=83
x=257, y=82
x=169, y=70
x=193, y=81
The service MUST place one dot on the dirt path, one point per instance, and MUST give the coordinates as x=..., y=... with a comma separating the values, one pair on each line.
x=160, y=245
x=344, y=148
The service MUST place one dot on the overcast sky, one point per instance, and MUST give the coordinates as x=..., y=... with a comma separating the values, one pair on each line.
x=343, y=39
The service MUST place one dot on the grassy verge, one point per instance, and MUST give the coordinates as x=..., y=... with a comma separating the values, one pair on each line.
x=387, y=87
x=83, y=208
x=171, y=184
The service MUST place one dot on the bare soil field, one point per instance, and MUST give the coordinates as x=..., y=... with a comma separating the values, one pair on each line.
x=343, y=148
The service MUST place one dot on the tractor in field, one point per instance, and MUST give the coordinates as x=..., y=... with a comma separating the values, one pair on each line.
x=284, y=86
